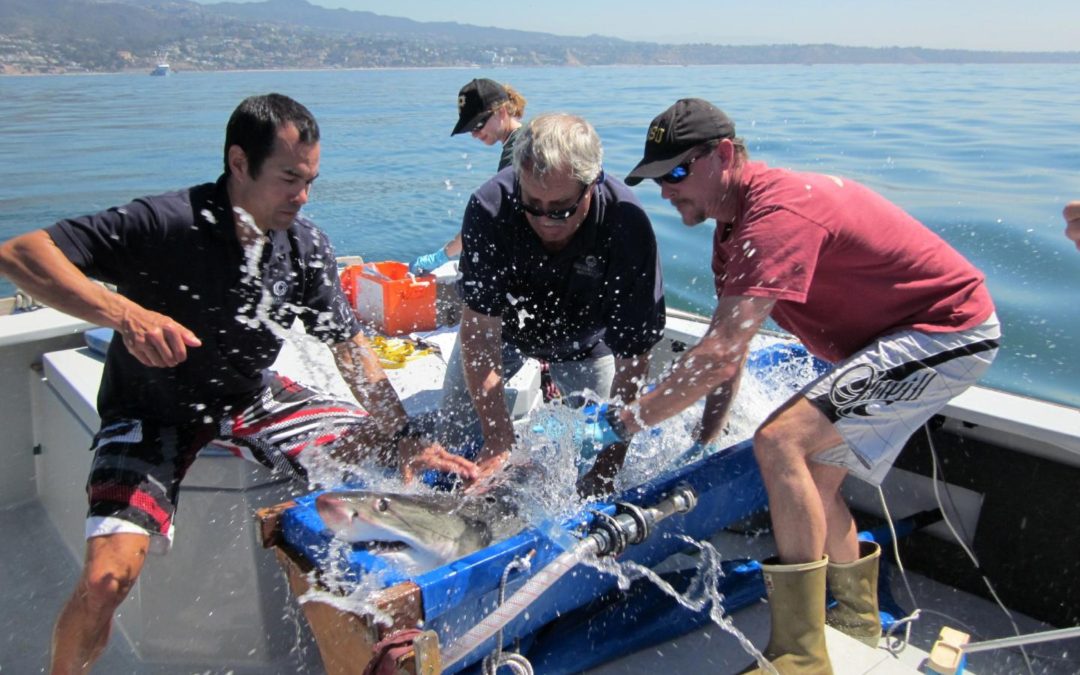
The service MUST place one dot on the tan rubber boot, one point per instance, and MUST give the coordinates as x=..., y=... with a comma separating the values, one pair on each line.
x=797, y=608
x=855, y=587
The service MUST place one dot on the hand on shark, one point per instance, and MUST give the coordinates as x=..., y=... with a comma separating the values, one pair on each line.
x=488, y=466
x=419, y=454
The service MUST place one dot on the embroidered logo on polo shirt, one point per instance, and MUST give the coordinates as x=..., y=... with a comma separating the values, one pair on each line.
x=588, y=266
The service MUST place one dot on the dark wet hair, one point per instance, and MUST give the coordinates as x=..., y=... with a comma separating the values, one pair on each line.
x=254, y=125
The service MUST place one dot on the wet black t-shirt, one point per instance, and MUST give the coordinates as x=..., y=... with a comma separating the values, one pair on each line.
x=178, y=254
x=602, y=293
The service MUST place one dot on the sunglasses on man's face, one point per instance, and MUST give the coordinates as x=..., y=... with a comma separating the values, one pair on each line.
x=558, y=214
x=678, y=174
x=482, y=121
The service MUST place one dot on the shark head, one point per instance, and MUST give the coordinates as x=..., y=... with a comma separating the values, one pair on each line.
x=439, y=527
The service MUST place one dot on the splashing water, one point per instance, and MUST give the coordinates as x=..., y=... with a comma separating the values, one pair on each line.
x=548, y=439
x=703, y=591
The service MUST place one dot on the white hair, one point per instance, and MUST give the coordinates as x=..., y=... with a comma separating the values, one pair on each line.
x=559, y=142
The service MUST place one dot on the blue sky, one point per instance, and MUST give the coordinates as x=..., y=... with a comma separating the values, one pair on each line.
x=1041, y=25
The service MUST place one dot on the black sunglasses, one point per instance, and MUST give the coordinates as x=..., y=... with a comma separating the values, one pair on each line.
x=679, y=173
x=560, y=214
x=482, y=121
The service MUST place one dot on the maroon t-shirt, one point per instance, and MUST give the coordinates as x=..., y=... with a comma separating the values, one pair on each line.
x=844, y=264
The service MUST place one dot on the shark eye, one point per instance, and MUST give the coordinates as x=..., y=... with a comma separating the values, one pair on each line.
x=382, y=505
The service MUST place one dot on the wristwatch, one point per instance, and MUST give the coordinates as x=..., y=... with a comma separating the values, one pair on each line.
x=611, y=416
x=406, y=431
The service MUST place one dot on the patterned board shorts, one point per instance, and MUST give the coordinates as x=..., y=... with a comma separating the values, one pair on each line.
x=878, y=397
x=138, y=465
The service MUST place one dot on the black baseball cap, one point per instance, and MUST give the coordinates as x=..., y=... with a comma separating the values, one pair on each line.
x=475, y=99
x=675, y=133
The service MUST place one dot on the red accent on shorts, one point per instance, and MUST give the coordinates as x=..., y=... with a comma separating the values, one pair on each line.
x=288, y=384
x=134, y=497
x=299, y=415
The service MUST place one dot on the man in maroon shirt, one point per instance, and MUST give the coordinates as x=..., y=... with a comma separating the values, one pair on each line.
x=906, y=320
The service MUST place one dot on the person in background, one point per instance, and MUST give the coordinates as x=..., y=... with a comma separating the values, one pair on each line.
x=201, y=275
x=492, y=113
x=907, y=321
x=1072, y=222
x=561, y=265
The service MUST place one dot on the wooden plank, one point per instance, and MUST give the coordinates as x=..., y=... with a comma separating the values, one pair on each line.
x=346, y=640
x=270, y=523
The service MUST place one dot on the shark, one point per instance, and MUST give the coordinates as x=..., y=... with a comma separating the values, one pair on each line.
x=434, y=529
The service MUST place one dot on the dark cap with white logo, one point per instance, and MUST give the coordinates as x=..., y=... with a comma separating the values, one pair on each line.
x=675, y=133
x=475, y=100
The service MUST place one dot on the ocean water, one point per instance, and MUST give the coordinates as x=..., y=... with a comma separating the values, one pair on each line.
x=984, y=155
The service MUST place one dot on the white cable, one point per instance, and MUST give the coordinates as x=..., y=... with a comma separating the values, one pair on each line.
x=908, y=620
x=968, y=551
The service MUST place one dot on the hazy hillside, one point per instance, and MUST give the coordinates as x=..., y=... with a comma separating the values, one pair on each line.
x=303, y=13
x=43, y=36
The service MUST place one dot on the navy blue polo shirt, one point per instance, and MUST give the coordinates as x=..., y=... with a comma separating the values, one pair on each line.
x=178, y=254
x=602, y=293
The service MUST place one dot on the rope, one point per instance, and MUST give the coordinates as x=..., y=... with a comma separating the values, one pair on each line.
x=517, y=663
x=396, y=352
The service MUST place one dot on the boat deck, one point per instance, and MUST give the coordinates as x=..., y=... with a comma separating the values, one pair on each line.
x=38, y=571
x=36, y=586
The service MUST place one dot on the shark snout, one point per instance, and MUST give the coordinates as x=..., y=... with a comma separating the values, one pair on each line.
x=336, y=514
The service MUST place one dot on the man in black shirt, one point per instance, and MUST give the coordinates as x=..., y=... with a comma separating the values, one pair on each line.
x=560, y=263
x=205, y=280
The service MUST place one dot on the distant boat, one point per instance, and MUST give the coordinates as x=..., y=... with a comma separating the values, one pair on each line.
x=161, y=70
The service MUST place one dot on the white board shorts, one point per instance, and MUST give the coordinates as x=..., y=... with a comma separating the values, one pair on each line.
x=878, y=397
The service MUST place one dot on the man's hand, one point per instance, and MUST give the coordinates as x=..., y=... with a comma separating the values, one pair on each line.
x=599, y=481
x=154, y=339
x=1072, y=222
x=419, y=454
x=490, y=462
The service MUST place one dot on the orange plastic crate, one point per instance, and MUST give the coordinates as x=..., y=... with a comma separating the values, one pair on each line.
x=386, y=296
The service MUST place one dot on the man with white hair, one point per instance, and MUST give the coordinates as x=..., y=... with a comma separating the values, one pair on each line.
x=560, y=263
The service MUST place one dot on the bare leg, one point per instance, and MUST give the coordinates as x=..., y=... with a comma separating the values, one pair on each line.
x=113, y=563
x=841, y=538
x=783, y=446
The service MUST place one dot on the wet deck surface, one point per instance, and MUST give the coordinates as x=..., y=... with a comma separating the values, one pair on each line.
x=713, y=650
x=38, y=574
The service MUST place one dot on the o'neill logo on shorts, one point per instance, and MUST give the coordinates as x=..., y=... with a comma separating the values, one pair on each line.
x=862, y=389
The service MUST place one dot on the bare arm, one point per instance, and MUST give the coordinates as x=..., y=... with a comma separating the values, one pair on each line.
x=367, y=380
x=713, y=362
x=453, y=247
x=481, y=358
x=35, y=264
x=360, y=368
x=717, y=405
x=629, y=373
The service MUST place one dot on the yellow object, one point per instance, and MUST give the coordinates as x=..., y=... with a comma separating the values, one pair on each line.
x=797, y=607
x=946, y=657
x=396, y=352
x=855, y=587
